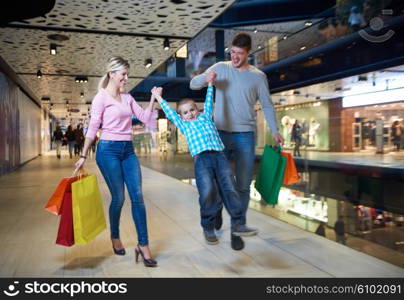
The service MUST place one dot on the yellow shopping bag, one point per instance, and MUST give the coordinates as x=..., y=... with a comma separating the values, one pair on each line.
x=88, y=213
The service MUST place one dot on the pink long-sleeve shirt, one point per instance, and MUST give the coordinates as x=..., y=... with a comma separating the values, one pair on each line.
x=115, y=117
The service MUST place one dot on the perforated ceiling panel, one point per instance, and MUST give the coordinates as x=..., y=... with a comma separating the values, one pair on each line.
x=81, y=53
x=173, y=17
x=107, y=28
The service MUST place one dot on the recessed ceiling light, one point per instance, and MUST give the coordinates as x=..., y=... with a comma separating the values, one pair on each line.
x=148, y=63
x=52, y=49
x=166, y=44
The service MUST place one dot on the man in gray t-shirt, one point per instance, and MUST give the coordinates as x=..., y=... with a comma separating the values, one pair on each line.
x=239, y=86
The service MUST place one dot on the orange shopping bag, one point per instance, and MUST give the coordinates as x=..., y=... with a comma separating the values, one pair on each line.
x=55, y=202
x=290, y=175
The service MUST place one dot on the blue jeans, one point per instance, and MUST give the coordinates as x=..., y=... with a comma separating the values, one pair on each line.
x=213, y=175
x=71, y=147
x=119, y=164
x=240, y=148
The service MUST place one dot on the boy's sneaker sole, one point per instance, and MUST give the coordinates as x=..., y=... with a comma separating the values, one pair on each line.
x=248, y=232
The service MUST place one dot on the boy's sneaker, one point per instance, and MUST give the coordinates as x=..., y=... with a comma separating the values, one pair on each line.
x=237, y=242
x=244, y=230
x=210, y=237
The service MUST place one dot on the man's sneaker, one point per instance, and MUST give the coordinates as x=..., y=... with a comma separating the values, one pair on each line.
x=237, y=242
x=244, y=230
x=218, y=221
x=210, y=238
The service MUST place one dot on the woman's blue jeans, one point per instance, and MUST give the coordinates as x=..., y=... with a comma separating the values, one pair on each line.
x=119, y=164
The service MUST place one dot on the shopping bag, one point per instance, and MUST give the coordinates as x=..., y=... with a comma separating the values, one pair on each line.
x=65, y=235
x=270, y=175
x=291, y=175
x=88, y=213
x=55, y=202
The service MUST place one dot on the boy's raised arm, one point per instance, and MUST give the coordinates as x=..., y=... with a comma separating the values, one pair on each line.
x=170, y=113
x=208, y=105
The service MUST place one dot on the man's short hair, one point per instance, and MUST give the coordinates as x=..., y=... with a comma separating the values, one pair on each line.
x=184, y=101
x=242, y=40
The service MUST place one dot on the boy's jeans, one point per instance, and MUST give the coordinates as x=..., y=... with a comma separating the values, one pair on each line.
x=119, y=164
x=213, y=175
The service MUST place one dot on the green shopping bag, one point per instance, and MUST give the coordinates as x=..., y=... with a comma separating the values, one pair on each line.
x=270, y=175
x=88, y=213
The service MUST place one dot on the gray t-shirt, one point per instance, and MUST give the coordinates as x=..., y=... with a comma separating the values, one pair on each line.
x=236, y=95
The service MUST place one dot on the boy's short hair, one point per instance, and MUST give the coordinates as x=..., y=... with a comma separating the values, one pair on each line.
x=242, y=40
x=184, y=101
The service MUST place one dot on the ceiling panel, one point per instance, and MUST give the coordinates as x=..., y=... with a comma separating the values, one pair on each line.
x=27, y=50
x=172, y=17
x=87, y=33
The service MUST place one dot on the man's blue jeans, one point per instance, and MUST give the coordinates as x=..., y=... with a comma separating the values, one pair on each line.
x=119, y=164
x=240, y=148
x=213, y=175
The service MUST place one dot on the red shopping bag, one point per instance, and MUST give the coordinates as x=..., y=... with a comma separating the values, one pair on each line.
x=55, y=202
x=290, y=175
x=65, y=235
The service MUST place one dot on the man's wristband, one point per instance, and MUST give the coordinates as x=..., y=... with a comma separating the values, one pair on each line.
x=82, y=156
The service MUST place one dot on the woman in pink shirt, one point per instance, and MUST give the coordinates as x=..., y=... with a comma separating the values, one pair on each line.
x=115, y=156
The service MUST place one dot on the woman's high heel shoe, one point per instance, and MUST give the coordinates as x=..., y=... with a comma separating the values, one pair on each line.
x=119, y=252
x=148, y=262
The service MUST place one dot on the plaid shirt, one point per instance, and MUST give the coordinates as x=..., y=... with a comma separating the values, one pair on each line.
x=201, y=134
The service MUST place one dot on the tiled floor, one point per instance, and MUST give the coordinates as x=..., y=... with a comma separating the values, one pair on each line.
x=28, y=236
x=180, y=166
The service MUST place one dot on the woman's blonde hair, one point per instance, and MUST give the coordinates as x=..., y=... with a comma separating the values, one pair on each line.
x=115, y=63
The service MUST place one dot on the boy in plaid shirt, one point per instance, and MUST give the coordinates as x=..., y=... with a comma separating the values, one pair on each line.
x=212, y=170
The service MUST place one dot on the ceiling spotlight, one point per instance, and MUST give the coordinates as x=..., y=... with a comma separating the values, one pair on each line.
x=308, y=23
x=259, y=47
x=148, y=63
x=255, y=30
x=82, y=95
x=39, y=74
x=302, y=48
x=285, y=37
x=81, y=79
x=166, y=44
x=52, y=49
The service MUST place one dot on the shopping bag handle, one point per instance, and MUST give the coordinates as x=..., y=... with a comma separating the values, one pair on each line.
x=79, y=172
